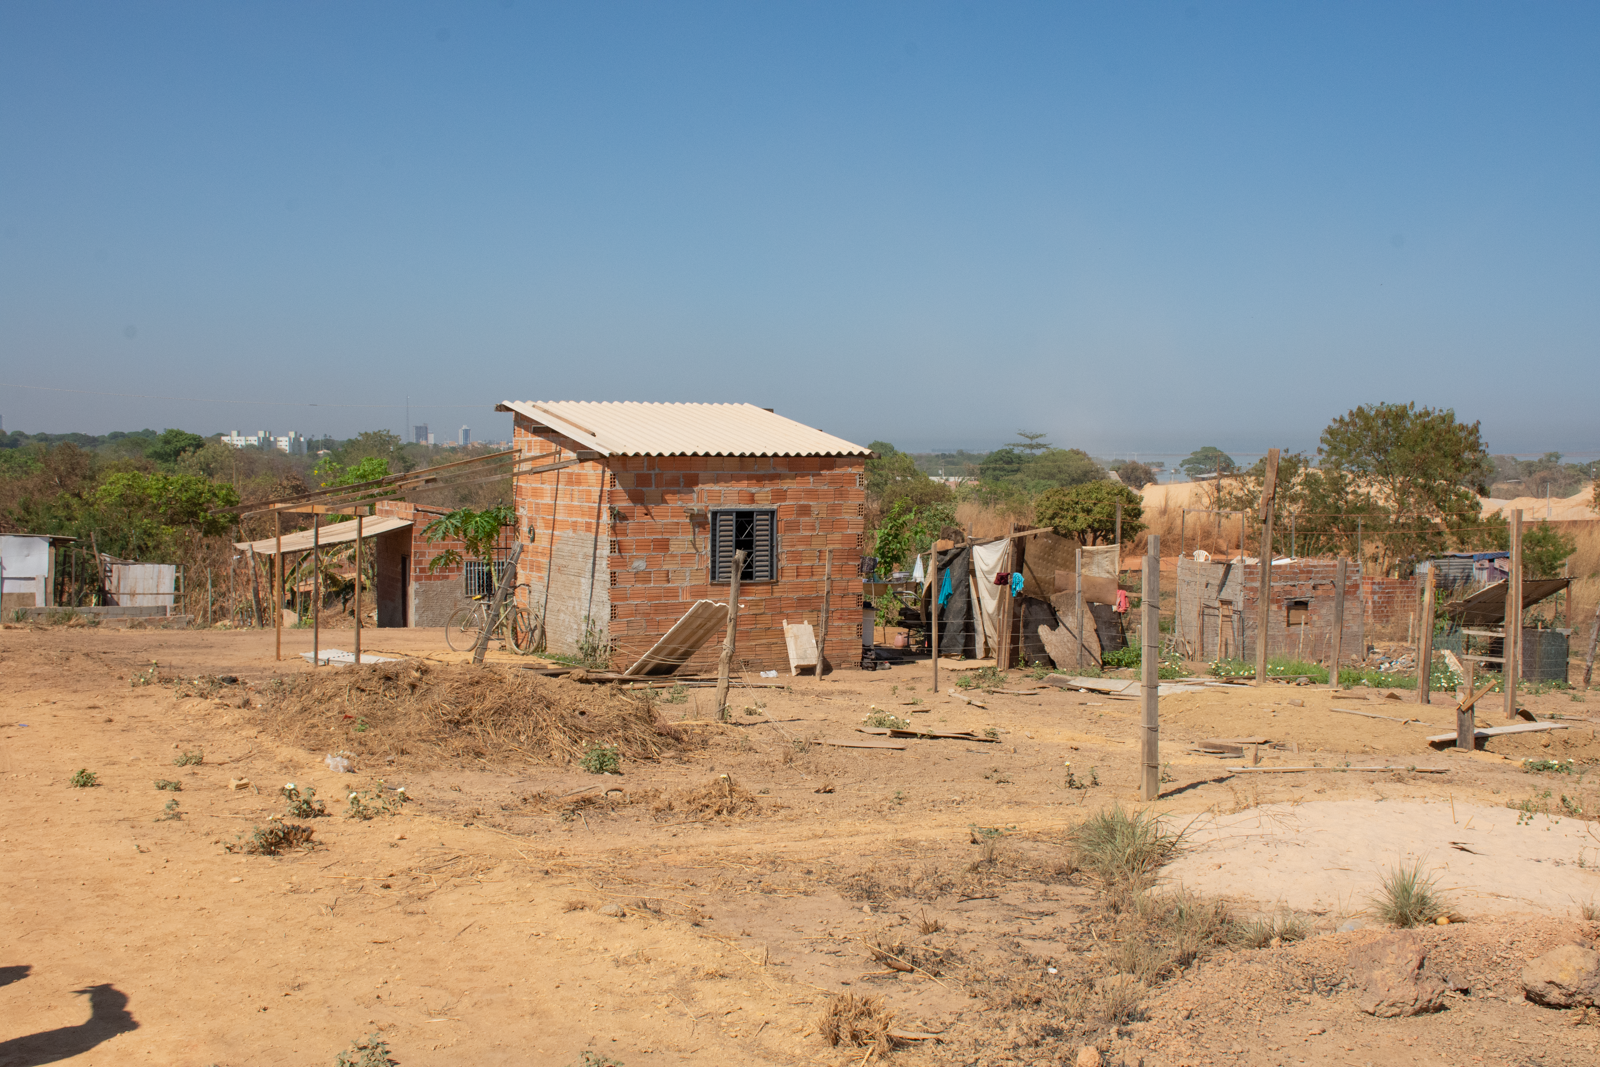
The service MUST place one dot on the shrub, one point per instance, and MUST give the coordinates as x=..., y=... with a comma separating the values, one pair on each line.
x=303, y=803
x=84, y=779
x=274, y=838
x=169, y=785
x=1407, y=897
x=602, y=759
x=885, y=721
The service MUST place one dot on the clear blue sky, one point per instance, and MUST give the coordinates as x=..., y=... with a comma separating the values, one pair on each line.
x=1135, y=226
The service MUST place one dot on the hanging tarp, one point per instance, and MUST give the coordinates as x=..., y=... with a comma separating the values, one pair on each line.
x=986, y=563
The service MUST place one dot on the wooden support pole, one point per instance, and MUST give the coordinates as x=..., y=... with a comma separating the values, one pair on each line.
x=1340, y=576
x=358, y=589
x=208, y=598
x=1078, y=584
x=1269, y=489
x=1466, y=727
x=1594, y=638
x=733, y=629
x=1003, y=605
x=1425, y=642
x=1117, y=536
x=277, y=581
x=316, y=589
x=1511, y=644
x=497, y=605
x=1150, y=661
x=822, y=623
x=933, y=613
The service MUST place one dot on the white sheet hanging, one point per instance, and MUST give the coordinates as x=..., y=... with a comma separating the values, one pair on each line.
x=986, y=561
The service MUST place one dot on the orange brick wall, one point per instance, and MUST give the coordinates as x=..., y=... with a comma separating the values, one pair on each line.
x=628, y=518
x=433, y=595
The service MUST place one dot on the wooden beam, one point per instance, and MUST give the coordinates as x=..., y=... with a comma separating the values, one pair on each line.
x=1264, y=586
x=1341, y=575
x=728, y=641
x=1150, y=637
x=1425, y=643
x=1511, y=645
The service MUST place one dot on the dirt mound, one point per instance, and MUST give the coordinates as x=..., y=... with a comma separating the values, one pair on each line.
x=426, y=714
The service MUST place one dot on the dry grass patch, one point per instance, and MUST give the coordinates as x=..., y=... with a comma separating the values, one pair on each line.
x=859, y=1021
x=431, y=714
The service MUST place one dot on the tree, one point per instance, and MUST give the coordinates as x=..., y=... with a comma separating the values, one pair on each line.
x=1088, y=512
x=142, y=514
x=1135, y=475
x=907, y=529
x=1001, y=465
x=1208, y=460
x=1063, y=467
x=1544, y=550
x=378, y=444
x=1032, y=443
x=172, y=444
x=478, y=531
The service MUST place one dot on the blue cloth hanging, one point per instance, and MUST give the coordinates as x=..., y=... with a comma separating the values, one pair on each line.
x=1016, y=583
x=944, y=589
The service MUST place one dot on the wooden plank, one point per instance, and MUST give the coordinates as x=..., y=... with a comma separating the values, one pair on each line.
x=1269, y=488
x=1425, y=643
x=1341, y=575
x=1511, y=647
x=801, y=644
x=726, y=660
x=943, y=735
x=1372, y=715
x=1093, y=685
x=1339, y=770
x=1150, y=638
x=858, y=743
x=1496, y=731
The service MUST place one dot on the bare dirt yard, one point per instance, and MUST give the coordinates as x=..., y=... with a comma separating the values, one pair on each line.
x=740, y=893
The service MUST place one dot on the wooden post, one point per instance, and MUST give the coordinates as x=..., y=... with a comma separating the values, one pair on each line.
x=497, y=605
x=255, y=585
x=1269, y=489
x=1340, y=576
x=1150, y=661
x=208, y=598
x=1466, y=728
x=822, y=626
x=1078, y=582
x=1117, y=537
x=277, y=581
x=933, y=613
x=358, y=587
x=1177, y=586
x=316, y=588
x=1594, y=637
x=1511, y=644
x=733, y=629
x=1425, y=642
x=1002, y=636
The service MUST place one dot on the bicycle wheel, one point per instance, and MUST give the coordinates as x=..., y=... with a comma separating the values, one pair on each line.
x=462, y=632
x=521, y=630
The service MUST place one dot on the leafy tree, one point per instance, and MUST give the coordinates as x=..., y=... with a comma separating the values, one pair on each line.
x=1002, y=465
x=1544, y=550
x=477, y=530
x=1135, y=475
x=331, y=473
x=907, y=529
x=1063, y=467
x=1088, y=512
x=173, y=443
x=141, y=515
x=1032, y=443
x=1208, y=460
x=892, y=476
x=378, y=444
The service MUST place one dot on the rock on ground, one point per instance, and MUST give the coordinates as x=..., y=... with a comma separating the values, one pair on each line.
x=1565, y=977
x=1388, y=973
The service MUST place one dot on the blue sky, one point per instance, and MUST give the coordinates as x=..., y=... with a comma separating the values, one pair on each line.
x=1137, y=227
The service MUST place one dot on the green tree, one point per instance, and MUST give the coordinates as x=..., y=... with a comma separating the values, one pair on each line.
x=1544, y=550
x=173, y=443
x=1063, y=467
x=1031, y=443
x=1088, y=512
x=892, y=476
x=477, y=530
x=1208, y=460
x=907, y=529
x=1001, y=465
x=1134, y=475
x=139, y=516
x=377, y=444
x=331, y=473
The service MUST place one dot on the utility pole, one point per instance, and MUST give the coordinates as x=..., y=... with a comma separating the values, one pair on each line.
x=1269, y=489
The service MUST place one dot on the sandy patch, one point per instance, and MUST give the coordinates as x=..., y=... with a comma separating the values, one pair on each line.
x=1328, y=857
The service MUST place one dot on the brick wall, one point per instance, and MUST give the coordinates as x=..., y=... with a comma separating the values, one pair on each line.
x=433, y=596
x=631, y=521
x=1389, y=604
x=1218, y=601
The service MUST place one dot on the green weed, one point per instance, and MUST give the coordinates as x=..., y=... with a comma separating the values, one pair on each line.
x=602, y=759
x=84, y=779
x=169, y=785
x=303, y=803
x=189, y=759
x=1548, y=766
x=273, y=838
x=884, y=721
x=375, y=802
x=678, y=694
x=171, y=811
x=373, y=1052
x=1406, y=897
x=1122, y=848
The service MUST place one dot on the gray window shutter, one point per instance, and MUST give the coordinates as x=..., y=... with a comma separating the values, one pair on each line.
x=722, y=545
x=762, y=565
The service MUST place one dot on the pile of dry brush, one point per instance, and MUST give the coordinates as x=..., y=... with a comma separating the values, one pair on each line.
x=430, y=714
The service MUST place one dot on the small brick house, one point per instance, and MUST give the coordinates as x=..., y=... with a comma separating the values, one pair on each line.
x=1217, y=604
x=646, y=522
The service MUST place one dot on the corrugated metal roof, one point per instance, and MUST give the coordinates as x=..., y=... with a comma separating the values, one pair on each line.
x=631, y=428
x=334, y=534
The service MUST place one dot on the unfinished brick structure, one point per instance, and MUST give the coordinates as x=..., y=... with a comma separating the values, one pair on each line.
x=1217, y=607
x=620, y=544
x=408, y=593
x=1390, y=605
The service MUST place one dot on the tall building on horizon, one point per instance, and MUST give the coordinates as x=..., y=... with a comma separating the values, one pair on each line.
x=419, y=434
x=466, y=436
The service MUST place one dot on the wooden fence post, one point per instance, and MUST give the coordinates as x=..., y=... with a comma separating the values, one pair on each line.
x=1594, y=637
x=822, y=626
x=358, y=587
x=496, y=606
x=1340, y=575
x=1150, y=662
x=733, y=629
x=1078, y=583
x=933, y=613
x=1269, y=489
x=1425, y=643
x=316, y=589
x=1511, y=644
x=277, y=580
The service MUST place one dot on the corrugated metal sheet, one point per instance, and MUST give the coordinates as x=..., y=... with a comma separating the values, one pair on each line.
x=337, y=534
x=630, y=428
x=704, y=620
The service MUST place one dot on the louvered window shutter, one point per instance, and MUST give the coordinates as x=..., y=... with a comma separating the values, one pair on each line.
x=762, y=567
x=722, y=545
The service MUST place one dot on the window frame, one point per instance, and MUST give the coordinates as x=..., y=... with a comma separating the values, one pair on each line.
x=715, y=547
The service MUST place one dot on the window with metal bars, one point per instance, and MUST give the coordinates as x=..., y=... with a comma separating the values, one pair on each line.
x=753, y=531
x=477, y=576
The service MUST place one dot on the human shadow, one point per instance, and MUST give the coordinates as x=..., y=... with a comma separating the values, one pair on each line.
x=108, y=1017
x=14, y=974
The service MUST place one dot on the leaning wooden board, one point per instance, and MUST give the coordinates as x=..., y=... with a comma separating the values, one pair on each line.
x=863, y=742
x=1496, y=731
x=945, y=735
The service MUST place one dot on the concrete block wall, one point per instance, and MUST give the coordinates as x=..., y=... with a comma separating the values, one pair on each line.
x=641, y=525
x=433, y=596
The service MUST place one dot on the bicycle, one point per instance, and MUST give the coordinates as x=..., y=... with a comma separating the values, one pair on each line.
x=514, y=625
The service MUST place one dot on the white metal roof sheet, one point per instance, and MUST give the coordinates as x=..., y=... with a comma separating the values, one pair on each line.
x=633, y=428
x=335, y=534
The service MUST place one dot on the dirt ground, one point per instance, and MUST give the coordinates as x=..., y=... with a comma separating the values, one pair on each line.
x=518, y=912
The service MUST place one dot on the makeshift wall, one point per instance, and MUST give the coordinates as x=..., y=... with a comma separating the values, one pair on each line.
x=1389, y=604
x=141, y=585
x=28, y=572
x=1217, y=609
x=640, y=526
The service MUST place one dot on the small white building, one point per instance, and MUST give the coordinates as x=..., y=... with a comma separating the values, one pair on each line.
x=28, y=570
